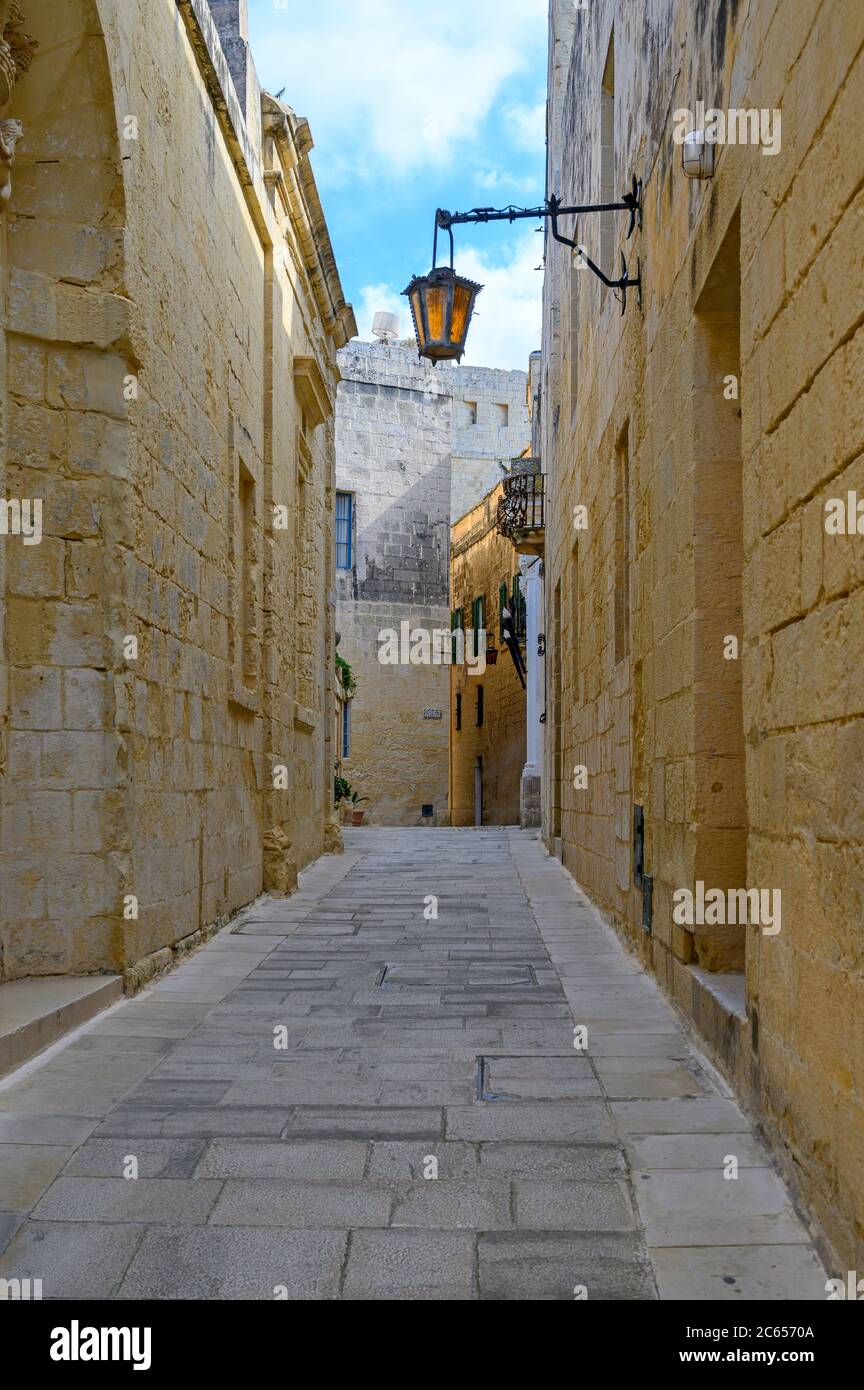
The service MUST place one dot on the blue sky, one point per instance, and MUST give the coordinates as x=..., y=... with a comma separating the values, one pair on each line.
x=414, y=105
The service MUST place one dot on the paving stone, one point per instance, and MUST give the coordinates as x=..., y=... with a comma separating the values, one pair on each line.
x=9, y=1223
x=572, y=1206
x=324, y=1089
x=45, y=1129
x=697, y=1151
x=77, y=1260
x=367, y=1123
x=25, y=1172
x=660, y=1082
x=401, y=1161
x=576, y=1162
x=235, y=1263
x=303, y=1204
x=442, y=1203
x=582, y=1120
x=249, y=1158
x=157, y=1158
x=542, y=1267
x=154, y=1121
x=696, y=1116
x=706, y=1208
x=416, y=1265
x=128, y=1199
x=740, y=1273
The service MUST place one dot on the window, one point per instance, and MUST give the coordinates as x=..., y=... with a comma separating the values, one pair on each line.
x=247, y=655
x=502, y=604
x=478, y=621
x=469, y=412
x=622, y=549
x=344, y=530
x=456, y=625
x=458, y=710
x=607, y=162
x=517, y=608
x=346, y=729
x=501, y=415
x=573, y=344
x=479, y=706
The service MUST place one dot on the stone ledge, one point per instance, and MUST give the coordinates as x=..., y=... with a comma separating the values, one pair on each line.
x=718, y=1012
x=37, y=1012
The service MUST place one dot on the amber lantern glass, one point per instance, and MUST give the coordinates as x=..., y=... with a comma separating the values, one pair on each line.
x=441, y=305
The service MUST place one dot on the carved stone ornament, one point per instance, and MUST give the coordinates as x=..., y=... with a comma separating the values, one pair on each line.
x=16, y=55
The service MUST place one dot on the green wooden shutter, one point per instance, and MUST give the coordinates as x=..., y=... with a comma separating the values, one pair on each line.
x=456, y=624
x=502, y=604
x=478, y=621
x=518, y=607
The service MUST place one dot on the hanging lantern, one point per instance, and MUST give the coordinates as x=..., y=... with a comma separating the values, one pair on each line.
x=442, y=303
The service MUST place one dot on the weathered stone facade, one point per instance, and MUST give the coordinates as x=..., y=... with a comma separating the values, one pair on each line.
x=173, y=316
x=704, y=436
x=487, y=707
x=415, y=444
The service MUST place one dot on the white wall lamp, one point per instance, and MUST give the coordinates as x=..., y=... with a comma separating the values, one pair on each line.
x=697, y=155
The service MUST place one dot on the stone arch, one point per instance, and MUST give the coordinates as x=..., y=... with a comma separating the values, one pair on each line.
x=67, y=372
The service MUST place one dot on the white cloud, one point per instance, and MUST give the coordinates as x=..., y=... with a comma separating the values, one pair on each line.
x=507, y=315
x=506, y=323
x=403, y=82
x=496, y=178
x=527, y=126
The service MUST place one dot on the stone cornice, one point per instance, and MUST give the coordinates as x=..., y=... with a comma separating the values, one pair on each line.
x=300, y=195
x=294, y=182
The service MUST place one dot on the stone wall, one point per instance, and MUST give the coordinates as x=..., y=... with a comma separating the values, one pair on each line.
x=412, y=443
x=705, y=502
x=481, y=561
x=174, y=315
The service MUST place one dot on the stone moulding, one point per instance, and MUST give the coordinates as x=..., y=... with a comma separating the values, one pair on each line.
x=213, y=65
x=312, y=390
x=16, y=55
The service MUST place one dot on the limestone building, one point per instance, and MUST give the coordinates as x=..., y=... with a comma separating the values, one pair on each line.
x=172, y=315
x=704, y=613
x=415, y=446
x=487, y=700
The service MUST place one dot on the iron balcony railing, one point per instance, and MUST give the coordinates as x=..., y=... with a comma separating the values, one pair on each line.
x=520, y=510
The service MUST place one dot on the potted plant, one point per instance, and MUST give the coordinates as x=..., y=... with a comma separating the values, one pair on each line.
x=346, y=797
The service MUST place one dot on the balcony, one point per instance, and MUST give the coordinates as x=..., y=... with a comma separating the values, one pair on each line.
x=520, y=511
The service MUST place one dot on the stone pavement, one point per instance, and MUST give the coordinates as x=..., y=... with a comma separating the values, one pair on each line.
x=289, y=1092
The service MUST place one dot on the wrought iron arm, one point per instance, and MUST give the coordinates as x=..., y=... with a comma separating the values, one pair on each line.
x=553, y=208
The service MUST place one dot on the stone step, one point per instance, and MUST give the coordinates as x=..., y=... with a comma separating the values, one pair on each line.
x=34, y=1013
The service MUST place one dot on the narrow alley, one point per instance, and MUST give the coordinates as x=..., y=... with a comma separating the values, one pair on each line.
x=432, y=1073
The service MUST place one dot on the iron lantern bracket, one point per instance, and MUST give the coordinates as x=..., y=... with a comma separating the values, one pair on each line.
x=553, y=208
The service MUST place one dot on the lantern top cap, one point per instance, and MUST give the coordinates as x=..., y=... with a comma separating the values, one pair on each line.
x=439, y=273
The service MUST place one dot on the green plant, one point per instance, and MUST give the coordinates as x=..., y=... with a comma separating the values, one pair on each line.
x=345, y=672
x=342, y=790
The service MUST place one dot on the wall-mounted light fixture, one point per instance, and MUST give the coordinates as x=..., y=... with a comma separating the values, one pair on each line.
x=442, y=301
x=697, y=155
